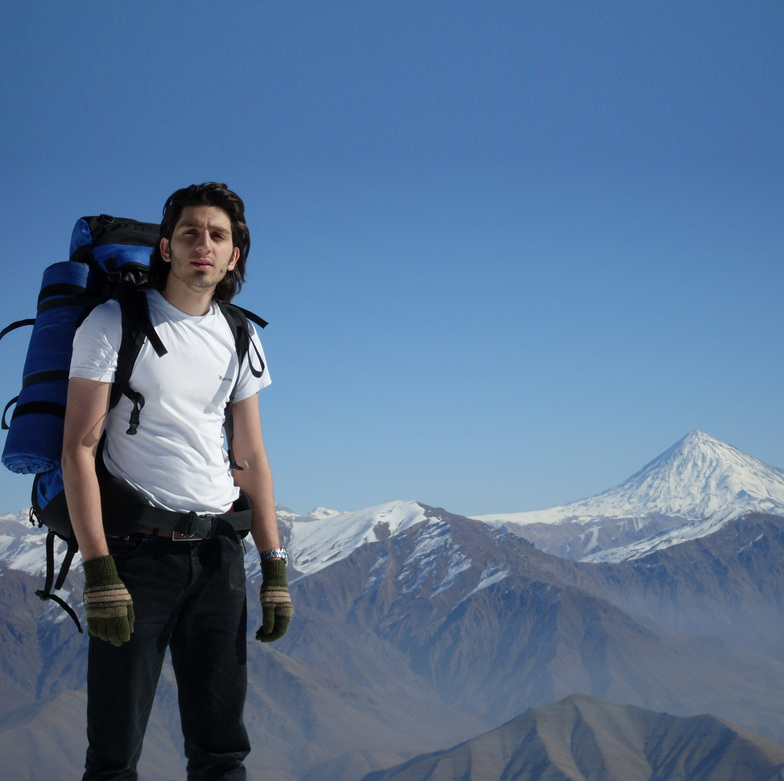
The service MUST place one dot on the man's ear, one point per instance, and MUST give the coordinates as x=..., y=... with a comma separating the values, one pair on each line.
x=164, y=247
x=235, y=256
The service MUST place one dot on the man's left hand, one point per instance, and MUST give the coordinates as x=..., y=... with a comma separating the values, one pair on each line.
x=276, y=606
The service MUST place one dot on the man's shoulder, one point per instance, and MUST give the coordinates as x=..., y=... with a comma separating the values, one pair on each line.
x=104, y=315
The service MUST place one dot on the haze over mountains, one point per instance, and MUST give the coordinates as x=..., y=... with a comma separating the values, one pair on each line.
x=419, y=631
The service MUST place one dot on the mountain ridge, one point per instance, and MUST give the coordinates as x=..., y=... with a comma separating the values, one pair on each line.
x=689, y=491
x=582, y=737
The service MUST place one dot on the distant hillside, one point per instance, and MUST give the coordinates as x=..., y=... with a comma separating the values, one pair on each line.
x=582, y=738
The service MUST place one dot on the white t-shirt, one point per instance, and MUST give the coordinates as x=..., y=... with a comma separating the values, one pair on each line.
x=176, y=460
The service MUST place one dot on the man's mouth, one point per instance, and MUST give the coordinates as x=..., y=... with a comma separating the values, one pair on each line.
x=201, y=263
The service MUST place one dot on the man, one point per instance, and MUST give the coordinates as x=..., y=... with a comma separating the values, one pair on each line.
x=150, y=590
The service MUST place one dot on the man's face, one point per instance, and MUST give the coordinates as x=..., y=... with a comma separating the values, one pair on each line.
x=201, y=250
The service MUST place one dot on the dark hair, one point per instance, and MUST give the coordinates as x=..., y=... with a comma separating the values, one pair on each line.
x=206, y=194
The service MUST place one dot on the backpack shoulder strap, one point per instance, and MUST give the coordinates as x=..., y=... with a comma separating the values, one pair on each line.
x=136, y=327
x=260, y=321
x=237, y=318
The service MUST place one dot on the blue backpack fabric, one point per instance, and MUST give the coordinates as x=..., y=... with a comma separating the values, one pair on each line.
x=109, y=258
x=69, y=291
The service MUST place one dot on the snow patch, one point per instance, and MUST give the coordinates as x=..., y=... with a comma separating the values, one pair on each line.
x=430, y=543
x=316, y=543
x=458, y=562
x=488, y=578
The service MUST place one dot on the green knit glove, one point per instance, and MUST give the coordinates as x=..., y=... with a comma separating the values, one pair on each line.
x=276, y=606
x=107, y=603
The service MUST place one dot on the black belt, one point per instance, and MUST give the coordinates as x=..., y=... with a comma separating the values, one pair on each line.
x=125, y=512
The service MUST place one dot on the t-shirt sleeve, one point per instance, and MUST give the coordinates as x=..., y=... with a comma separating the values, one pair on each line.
x=254, y=362
x=96, y=344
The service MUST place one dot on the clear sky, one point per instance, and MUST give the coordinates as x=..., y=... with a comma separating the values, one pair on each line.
x=509, y=251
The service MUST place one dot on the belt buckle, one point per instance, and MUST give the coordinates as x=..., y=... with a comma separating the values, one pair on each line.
x=180, y=537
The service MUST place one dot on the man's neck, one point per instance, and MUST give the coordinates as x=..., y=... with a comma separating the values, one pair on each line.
x=192, y=302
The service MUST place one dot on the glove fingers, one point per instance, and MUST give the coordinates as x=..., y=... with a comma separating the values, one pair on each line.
x=281, y=625
x=110, y=614
x=271, y=636
x=115, y=633
x=116, y=636
x=95, y=630
x=124, y=629
x=274, y=625
x=267, y=619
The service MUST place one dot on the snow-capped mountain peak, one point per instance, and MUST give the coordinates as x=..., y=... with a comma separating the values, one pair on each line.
x=698, y=477
x=689, y=491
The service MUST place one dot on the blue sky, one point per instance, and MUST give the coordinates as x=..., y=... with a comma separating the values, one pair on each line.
x=509, y=251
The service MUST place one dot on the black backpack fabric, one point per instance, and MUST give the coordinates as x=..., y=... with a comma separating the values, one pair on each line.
x=109, y=258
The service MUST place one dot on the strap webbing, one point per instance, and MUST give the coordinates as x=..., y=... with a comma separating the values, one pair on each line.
x=34, y=407
x=17, y=324
x=45, y=593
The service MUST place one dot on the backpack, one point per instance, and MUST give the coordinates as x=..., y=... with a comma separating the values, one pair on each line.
x=109, y=258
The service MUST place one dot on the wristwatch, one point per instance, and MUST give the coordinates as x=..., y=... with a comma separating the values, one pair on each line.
x=275, y=553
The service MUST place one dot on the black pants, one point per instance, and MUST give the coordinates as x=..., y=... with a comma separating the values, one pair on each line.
x=190, y=597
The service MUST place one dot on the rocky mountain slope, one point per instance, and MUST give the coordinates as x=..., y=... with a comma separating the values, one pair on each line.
x=494, y=626
x=585, y=739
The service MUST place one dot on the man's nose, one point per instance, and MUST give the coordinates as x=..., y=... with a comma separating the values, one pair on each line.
x=204, y=241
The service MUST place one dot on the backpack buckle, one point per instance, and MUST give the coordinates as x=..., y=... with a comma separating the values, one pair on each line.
x=194, y=527
x=180, y=537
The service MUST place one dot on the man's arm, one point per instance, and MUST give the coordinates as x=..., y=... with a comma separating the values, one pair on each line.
x=255, y=477
x=107, y=603
x=85, y=418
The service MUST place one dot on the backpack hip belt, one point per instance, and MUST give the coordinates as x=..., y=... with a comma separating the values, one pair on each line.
x=124, y=512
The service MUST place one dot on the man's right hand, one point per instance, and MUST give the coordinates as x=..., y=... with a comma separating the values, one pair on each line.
x=107, y=603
